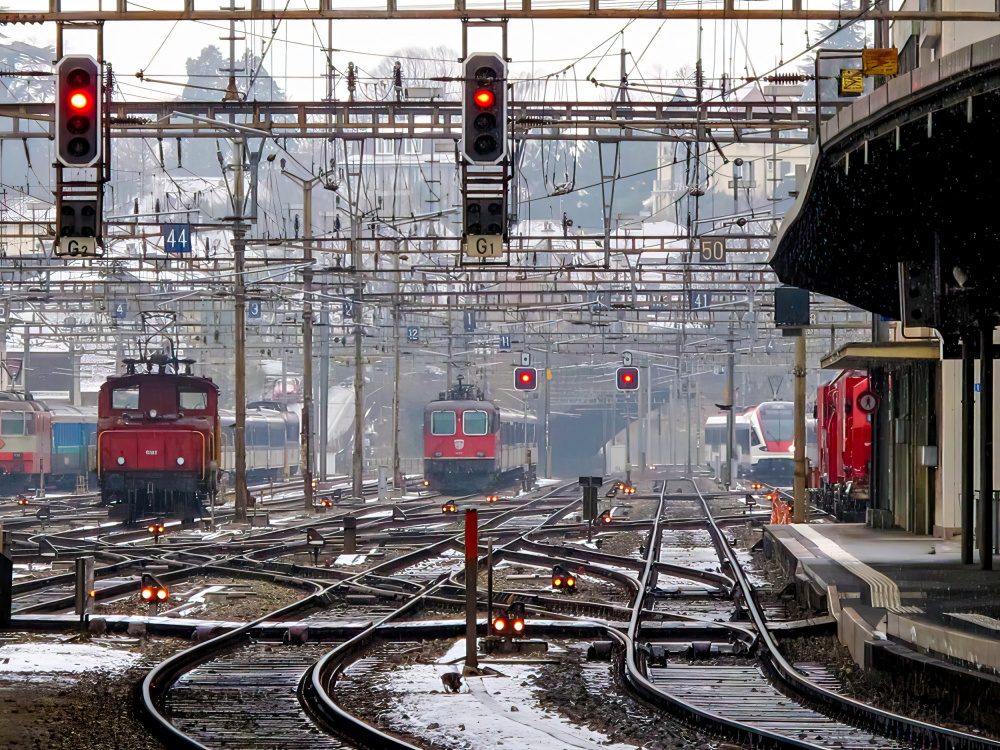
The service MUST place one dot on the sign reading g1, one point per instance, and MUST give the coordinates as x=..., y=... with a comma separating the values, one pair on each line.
x=484, y=246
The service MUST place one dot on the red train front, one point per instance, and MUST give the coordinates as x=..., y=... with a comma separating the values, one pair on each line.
x=469, y=445
x=158, y=441
x=844, y=436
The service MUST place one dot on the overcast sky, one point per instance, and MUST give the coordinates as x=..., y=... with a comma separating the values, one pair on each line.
x=541, y=47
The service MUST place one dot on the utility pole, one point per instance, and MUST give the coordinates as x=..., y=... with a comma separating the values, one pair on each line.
x=397, y=475
x=307, y=185
x=239, y=250
x=548, y=443
x=324, y=386
x=730, y=403
x=799, y=489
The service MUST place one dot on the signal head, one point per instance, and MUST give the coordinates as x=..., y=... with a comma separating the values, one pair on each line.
x=78, y=131
x=627, y=378
x=162, y=594
x=147, y=593
x=525, y=378
x=571, y=582
x=518, y=626
x=499, y=624
x=484, y=110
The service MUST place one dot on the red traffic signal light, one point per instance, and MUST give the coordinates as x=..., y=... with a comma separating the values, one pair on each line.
x=525, y=378
x=78, y=128
x=484, y=109
x=627, y=379
x=499, y=625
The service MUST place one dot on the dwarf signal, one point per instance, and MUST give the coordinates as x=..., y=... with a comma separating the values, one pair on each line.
x=153, y=591
x=561, y=579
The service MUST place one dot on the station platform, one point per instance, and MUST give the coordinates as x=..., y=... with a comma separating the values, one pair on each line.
x=888, y=586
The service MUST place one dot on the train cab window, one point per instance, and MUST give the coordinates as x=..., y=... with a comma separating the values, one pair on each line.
x=754, y=439
x=276, y=430
x=291, y=431
x=189, y=399
x=125, y=398
x=14, y=423
x=442, y=423
x=474, y=423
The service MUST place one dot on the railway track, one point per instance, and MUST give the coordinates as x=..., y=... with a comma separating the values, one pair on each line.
x=177, y=695
x=685, y=650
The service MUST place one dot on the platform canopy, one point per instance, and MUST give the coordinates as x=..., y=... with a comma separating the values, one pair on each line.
x=909, y=168
x=862, y=355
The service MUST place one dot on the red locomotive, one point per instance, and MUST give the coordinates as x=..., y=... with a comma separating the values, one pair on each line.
x=844, y=436
x=158, y=441
x=471, y=444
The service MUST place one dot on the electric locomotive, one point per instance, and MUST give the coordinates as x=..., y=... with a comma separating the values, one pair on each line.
x=158, y=441
x=471, y=444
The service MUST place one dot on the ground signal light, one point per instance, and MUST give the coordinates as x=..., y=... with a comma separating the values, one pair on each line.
x=561, y=579
x=484, y=109
x=153, y=590
x=78, y=130
x=627, y=379
x=525, y=378
x=515, y=616
x=491, y=498
x=756, y=486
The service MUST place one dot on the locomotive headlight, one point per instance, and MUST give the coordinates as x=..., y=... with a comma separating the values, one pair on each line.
x=121, y=460
x=152, y=413
x=180, y=460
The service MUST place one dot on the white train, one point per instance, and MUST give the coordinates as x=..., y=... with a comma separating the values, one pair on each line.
x=763, y=442
x=272, y=439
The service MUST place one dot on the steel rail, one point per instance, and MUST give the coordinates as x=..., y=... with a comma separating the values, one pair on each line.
x=314, y=693
x=883, y=722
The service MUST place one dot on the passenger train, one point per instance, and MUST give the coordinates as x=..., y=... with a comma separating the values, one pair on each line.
x=43, y=443
x=163, y=447
x=763, y=442
x=471, y=444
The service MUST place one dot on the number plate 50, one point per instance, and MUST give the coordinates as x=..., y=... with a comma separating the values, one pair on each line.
x=712, y=250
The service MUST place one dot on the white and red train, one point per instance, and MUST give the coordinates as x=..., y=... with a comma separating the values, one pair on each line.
x=763, y=442
x=471, y=444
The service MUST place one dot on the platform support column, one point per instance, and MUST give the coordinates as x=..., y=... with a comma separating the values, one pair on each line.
x=968, y=454
x=799, y=488
x=986, y=446
x=471, y=574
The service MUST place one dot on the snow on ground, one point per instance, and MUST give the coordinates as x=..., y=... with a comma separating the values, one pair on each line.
x=486, y=709
x=39, y=660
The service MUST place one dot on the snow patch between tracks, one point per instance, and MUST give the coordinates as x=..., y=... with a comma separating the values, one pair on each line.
x=489, y=712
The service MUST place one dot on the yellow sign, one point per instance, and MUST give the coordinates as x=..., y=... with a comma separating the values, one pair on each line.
x=880, y=62
x=852, y=82
x=484, y=246
x=548, y=374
